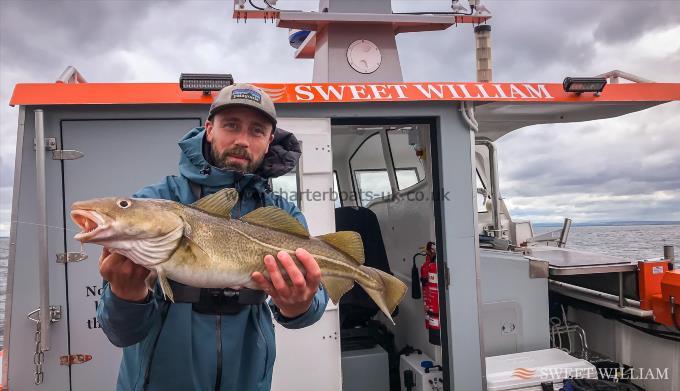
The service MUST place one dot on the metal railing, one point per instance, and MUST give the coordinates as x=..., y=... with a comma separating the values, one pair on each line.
x=71, y=76
x=614, y=76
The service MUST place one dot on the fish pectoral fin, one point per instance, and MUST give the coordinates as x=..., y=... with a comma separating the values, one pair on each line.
x=276, y=218
x=349, y=242
x=336, y=287
x=165, y=285
x=188, y=250
x=220, y=203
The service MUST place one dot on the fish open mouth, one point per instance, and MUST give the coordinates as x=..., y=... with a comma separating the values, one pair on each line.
x=90, y=222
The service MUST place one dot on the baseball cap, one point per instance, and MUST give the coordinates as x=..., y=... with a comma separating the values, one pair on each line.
x=242, y=94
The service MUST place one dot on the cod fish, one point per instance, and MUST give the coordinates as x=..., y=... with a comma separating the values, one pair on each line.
x=200, y=245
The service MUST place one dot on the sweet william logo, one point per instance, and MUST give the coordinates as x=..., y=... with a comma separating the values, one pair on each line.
x=247, y=94
x=524, y=373
x=275, y=93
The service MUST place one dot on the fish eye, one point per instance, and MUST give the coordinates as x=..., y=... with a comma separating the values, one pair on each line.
x=124, y=204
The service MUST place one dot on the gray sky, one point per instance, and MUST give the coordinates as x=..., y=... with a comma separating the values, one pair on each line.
x=618, y=169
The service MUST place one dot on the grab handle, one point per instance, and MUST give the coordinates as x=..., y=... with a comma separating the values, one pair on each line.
x=43, y=264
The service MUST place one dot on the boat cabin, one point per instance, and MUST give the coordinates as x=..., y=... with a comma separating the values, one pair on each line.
x=404, y=164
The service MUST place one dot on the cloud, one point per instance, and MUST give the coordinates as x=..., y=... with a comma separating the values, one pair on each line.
x=585, y=207
x=637, y=147
x=631, y=19
x=612, y=169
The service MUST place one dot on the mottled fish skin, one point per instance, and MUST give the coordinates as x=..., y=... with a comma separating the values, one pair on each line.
x=236, y=250
x=200, y=245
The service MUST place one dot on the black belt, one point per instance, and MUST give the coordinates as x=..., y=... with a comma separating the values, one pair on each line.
x=217, y=301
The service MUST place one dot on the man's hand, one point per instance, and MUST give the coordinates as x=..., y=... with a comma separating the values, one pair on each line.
x=295, y=299
x=125, y=277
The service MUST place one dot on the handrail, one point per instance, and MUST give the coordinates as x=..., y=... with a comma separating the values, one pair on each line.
x=600, y=298
x=71, y=76
x=616, y=74
x=43, y=264
x=497, y=231
x=565, y=233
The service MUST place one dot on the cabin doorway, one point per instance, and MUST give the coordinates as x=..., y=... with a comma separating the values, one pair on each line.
x=383, y=181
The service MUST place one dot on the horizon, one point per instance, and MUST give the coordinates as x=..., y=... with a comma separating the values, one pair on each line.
x=577, y=224
x=609, y=223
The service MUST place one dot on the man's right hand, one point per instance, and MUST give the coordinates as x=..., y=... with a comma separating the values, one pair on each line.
x=126, y=278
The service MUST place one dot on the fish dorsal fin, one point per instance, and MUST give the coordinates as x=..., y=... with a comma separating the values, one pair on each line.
x=219, y=204
x=276, y=218
x=349, y=242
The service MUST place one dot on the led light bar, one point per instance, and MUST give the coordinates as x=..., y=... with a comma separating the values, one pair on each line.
x=580, y=85
x=204, y=82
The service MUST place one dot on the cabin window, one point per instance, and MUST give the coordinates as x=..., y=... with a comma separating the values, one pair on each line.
x=287, y=186
x=407, y=177
x=407, y=165
x=369, y=172
x=372, y=184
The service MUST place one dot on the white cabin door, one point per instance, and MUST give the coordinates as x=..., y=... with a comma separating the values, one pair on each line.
x=121, y=156
x=309, y=358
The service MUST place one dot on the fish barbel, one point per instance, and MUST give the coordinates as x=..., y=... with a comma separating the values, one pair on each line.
x=200, y=245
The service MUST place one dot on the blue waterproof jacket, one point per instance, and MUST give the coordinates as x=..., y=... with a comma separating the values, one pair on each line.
x=170, y=347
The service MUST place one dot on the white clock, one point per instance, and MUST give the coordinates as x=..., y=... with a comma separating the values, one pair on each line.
x=364, y=56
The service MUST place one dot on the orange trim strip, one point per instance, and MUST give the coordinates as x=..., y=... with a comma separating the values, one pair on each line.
x=170, y=93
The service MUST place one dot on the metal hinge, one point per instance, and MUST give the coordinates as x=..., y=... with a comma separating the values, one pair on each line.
x=59, y=154
x=50, y=144
x=74, y=359
x=71, y=257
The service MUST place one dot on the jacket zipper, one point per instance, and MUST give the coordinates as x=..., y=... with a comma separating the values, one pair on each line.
x=147, y=371
x=218, y=380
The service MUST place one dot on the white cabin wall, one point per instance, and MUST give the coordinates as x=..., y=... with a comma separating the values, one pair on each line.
x=409, y=226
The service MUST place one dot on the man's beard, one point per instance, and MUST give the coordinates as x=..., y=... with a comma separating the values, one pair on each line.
x=221, y=160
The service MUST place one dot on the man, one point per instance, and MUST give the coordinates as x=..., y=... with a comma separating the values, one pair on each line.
x=214, y=339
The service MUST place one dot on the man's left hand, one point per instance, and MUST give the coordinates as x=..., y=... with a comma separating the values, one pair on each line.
x=292, y=299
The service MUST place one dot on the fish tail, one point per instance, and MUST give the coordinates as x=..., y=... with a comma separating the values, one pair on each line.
x=389, y=292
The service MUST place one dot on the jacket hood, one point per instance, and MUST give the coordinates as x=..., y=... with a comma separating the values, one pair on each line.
x=284, y=152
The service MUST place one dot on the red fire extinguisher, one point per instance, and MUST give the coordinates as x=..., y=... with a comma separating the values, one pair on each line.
x=430, y=282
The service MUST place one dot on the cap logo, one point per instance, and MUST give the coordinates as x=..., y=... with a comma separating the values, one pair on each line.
x=247, y=94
